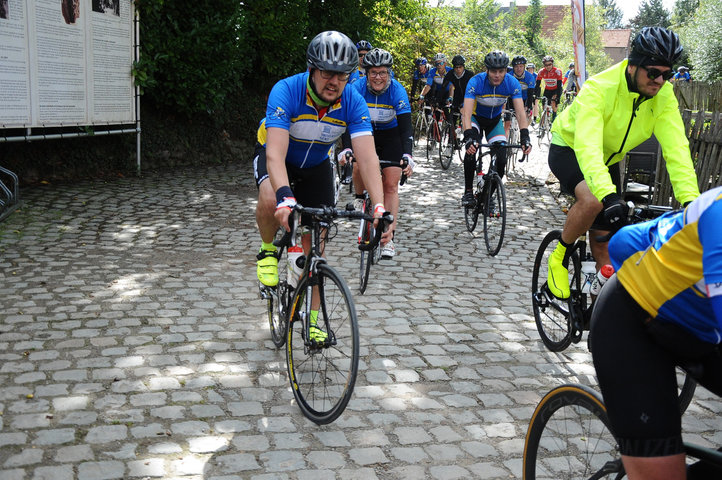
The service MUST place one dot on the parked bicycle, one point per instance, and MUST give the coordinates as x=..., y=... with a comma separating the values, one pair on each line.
x=489, y=201
x=569, y=437
x=544, y=128
x=314, y=315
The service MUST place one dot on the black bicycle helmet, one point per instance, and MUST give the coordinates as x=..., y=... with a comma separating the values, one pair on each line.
x=378, y=58
x=496, y=59
x=458, y=60
x=333, y=51
x=571, y=65
x=655, y=46
x=364, y=45
x=518, y=60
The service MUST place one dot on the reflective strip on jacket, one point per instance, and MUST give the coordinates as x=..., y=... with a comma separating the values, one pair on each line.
x=601, y=129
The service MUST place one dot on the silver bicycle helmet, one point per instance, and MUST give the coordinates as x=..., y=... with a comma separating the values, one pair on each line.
x=333, y=51
x=439, y=57
x=378, y=58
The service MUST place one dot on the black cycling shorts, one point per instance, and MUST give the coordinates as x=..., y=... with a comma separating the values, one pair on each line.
x=388, y=147
x=635, y=358
x=312, y=187
x=563, y=164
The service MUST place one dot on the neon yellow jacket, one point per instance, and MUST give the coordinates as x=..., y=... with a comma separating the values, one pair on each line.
x=601, y=127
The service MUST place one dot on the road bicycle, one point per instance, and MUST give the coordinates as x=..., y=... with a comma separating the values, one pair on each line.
x=544, y=128
x=561, y=322
x=421, y=123
x=569, y=437
x=489, y=201
x=514, y=138
x=366, y=234
x=450, y=140
x=434, y=139
x=322, y=373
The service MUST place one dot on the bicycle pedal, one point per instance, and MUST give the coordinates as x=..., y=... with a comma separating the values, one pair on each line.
x=265, y=291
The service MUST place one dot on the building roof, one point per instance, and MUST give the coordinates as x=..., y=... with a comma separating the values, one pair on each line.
x=616, y=38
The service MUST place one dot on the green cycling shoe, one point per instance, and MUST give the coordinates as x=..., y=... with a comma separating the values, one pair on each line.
x=267, y=267
x=558, y=275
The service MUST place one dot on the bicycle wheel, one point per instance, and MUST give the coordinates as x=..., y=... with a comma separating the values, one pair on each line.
x=686, y=390
x=277, y=301
x=446, y=147
x=548, y=128
x=419, y=128
x=569, y=437
x=431, y=137
x=471, y=213
x=494, y=213
x=541, y=133
x=552, y=317
x=366, y=234
x=323, y=377
x=512, y=153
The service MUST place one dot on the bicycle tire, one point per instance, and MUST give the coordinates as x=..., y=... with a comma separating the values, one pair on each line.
x=431, y=139
x=542, y=127
x=686, y=391
x=494, y=213
x=277, y=302
x=569, y=437
x=552, y=315
x=446, y=147
x=419, y=128
x=323, y=377
x=366, y=234
x=471, y=213
x=512, y=153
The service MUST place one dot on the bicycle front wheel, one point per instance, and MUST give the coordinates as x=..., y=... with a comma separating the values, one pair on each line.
x=431, y=136
x=323, y=376
x=366, y=236
x=569, y=437
x=553, y=320
x=277, y=301
x=494, y=214
x=471, y=213
x=446, y=147
x=541, y=132
x=419, y=128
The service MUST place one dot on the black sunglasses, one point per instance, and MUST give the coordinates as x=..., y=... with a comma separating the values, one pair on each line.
x=653, y=73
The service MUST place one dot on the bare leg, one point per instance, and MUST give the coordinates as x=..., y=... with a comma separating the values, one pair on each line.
x=266, y=206
x=655, y=468
x=582, y=214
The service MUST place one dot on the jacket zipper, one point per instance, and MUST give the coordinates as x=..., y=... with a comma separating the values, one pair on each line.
x=635, y=106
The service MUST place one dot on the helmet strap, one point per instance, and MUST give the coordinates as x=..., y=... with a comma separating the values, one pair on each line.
x=632, y=80
x=311, y=88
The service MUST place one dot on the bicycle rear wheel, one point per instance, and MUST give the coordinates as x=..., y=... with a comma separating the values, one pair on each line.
x=431, y=137
x=419, y=128
x=494, y=213
x=552, y=315
x=323, y=376
x=569, y=437
x=446, y=147
x=366, y=234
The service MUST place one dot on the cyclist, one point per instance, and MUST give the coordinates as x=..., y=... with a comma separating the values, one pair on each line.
x=569, y=71
x=434, y=82
x=305, y=114
x=486, y=94
x=363, y=47
x=682, y=75
x=421, y=73
x=662, y=309
x=550, y=78
x=530, y=67
x=393, y=134
x=616, y=110
x=458, y=78
x=527, y=82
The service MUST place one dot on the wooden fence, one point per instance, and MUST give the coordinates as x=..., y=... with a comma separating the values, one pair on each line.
x=704, y=131
x=699, y=96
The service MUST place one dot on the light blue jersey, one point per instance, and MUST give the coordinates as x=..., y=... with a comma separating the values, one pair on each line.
x=385, y=107
x=491, y=100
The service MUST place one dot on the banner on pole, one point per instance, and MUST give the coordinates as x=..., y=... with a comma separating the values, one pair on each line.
x=578, y=40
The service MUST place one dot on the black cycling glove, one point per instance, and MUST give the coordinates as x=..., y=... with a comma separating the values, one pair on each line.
x=524, y=137
x=615, y=211
x=470, y=136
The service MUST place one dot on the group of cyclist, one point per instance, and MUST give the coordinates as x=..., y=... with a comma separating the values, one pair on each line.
x=662, y=308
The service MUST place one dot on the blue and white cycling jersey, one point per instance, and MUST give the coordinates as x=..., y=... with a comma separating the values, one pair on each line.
x=436, y=78
x=310, y=137
x=490, y=100
x=385, y=107
x=672, y=265
x=528, y=82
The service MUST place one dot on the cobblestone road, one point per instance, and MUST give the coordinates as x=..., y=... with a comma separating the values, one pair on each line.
x=133, y=343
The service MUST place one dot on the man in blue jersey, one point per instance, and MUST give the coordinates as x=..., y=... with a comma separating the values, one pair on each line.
x=436, y=92
x=486, y=94
x=393, y=135
x=527, y=82
x=421, y=73
x=306, y=113
x=363, y=47
x=530, y=67
x=662, y=309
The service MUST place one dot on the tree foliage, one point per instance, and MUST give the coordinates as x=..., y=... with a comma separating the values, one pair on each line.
x=702, y=37
x=612, y=13
x=683, y=12
x=651, y=13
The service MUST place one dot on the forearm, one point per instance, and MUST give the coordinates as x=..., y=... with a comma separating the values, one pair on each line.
x=368, y=164
x=406, y=132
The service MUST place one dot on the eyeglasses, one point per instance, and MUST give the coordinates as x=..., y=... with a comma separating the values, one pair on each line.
x=547, y=64
x=439, y=64
x=328, y=75
x=361, y=55
x=653, y=73
x=378, y=74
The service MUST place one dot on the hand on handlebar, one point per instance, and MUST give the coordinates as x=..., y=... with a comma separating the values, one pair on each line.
x=345, y=156
x=471, y=140
x=525, y=141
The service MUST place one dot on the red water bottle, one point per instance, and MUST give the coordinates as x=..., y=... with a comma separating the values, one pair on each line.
x=603, y=275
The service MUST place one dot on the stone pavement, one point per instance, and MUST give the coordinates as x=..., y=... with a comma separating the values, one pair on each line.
x=133, y=343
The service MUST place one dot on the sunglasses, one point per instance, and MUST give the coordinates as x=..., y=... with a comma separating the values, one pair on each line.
x=547, y=64
x=439, y=63
x=653, y=73
x=328, y=75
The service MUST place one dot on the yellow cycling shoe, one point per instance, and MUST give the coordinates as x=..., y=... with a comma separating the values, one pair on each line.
x=267, y=267
x=315, y=333
x=558, y=275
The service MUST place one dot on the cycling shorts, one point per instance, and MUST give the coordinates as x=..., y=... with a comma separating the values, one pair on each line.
x=388, y=147
x=312, y=187
x=635, y=359
x=493, y=128
x=549, y=94
x=563, y=164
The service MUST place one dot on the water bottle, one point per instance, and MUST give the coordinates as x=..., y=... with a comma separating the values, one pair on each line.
x=480, y=180
x=600, y=279
x=589, y=270
x=295, y=257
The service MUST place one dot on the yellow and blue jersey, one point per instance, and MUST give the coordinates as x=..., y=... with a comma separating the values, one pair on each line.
x=310, y=135
x=384, y=108
x=490, y=100
x=672, y=265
